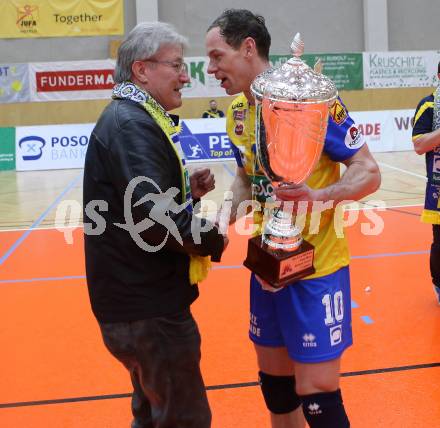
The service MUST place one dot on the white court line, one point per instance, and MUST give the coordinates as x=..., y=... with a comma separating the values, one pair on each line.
x=41, y=228
x=367, y=207
x=402, y=170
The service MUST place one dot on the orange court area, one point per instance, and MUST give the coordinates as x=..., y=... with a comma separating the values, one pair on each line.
x=55, y=371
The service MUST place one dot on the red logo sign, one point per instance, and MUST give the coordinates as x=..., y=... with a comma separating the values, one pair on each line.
x=74, y=80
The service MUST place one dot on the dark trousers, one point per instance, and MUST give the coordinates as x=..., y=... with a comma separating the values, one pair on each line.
x=434, y=258
x=162, y=355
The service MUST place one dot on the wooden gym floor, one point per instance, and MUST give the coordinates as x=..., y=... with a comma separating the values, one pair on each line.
x=55, y=371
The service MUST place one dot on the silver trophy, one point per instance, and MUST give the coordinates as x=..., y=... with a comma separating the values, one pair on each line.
x=292, y=109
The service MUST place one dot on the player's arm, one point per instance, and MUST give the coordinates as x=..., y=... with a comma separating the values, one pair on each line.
x=343, y=144
x=426, y=142
x=361, y=178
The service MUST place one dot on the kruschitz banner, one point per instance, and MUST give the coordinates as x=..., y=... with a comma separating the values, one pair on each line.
x=14, y=83
x=61, y=18
x=345, y=69
x=400, y=69
x=71, y=80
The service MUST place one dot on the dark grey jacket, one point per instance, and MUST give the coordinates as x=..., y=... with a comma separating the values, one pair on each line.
x=127, y=282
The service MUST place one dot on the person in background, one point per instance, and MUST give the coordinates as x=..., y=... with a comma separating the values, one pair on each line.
x=426, y=140
x=143, y=265
x=213, y=112
x=299, y=331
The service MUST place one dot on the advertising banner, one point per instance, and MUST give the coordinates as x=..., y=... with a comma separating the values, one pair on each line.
x=400, y=69
x=71, y=80
x=205, y=140
x=65, y=146
x=7, y=149
x=385, y=131
x=51, y=146
x=14, y=83
x=202, y=140
x=61, y=18
x=345, y=69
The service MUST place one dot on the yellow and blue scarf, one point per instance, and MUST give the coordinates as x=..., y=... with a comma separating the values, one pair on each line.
x=199, y=266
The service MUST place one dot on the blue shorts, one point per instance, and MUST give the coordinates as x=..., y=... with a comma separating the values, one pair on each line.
x=311, y=318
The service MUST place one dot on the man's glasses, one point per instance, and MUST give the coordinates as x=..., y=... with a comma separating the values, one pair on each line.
x=179, y=67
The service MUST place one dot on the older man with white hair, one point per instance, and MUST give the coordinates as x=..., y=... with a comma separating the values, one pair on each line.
x=144, y=264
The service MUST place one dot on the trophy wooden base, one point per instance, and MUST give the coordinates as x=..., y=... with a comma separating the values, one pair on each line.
x=278, y=267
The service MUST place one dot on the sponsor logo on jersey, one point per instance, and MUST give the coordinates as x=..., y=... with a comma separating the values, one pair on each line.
x=353, y=139
x=309, y=340
x=239, y=117
x=239, y=128
x=253, y=328
x=338, y=112
x=237, y=105
x=335, y=335
x=262, y=188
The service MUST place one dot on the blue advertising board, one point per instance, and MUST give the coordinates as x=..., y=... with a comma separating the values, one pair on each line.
x=205, y=140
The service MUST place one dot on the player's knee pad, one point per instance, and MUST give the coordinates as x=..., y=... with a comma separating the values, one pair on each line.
x=325, y=409
x=279, y=393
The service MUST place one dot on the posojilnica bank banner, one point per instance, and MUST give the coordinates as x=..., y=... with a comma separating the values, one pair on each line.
x=60, y=18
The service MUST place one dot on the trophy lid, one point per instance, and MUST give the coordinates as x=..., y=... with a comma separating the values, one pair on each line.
x=294, y=81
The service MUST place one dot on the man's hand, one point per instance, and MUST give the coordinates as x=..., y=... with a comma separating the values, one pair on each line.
x=202, y=181
x=299, y=198
x=297, y=193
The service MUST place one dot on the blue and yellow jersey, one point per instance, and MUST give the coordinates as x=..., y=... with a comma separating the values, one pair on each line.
x=423, y=118
x=342, y=141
